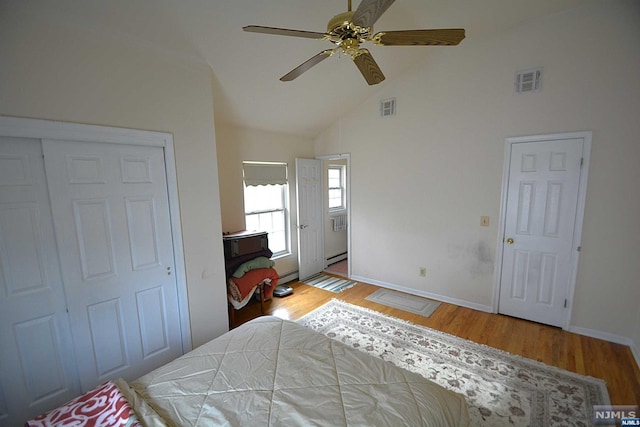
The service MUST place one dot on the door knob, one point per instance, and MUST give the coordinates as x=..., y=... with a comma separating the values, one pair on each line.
x=303, y=226
x=510, y=241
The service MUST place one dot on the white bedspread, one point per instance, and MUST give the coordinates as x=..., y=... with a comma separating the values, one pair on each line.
x=275, y=372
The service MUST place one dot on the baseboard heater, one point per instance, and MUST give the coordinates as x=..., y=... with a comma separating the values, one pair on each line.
x=288, y=277
x=336, y=258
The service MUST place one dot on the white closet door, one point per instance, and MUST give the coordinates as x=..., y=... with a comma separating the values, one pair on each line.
x=37, y=365
x=113, y=230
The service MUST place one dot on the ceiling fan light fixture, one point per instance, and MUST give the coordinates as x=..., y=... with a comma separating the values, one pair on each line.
x=349, y=29
x=351, y=47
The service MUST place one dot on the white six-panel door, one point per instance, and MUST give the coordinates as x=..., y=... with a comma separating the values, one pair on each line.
x=37, y=363
x=110, y=206
x=310, y=240
x=539, y=234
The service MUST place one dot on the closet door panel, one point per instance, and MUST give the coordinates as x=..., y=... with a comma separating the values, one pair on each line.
x=37, y=371
x=111, y=210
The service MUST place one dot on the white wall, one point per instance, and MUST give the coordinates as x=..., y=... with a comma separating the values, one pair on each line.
x=421, y=180
x=62, y=72
x=235, y=145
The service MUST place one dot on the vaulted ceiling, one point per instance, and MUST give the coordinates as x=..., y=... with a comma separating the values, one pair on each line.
x=247, y=67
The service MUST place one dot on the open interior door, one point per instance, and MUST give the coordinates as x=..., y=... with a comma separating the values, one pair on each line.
x=310, y=231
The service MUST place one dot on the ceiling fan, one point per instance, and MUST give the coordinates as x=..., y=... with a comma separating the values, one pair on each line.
x=349, y=29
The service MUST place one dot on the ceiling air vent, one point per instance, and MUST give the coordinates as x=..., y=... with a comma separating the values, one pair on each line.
x=529, y=81
x=388, y=107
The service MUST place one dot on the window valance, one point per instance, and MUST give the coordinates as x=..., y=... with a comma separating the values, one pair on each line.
x=264, y=173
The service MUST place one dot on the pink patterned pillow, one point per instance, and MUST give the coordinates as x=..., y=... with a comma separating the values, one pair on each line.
x=105, y=405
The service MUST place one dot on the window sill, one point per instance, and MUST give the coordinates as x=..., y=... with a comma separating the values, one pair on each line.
x=280, y=256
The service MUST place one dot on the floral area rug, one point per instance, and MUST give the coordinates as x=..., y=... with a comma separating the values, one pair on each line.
x=501, y=389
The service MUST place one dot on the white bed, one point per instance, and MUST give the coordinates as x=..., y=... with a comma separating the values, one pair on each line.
x=274, y=372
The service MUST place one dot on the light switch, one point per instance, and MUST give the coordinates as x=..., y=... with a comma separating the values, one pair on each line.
x=484, y=221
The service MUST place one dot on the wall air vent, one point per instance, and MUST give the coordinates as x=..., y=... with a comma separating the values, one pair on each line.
x=529, y=81
x=388, y=107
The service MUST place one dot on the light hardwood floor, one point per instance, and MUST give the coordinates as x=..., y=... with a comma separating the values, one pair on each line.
x=611, y=362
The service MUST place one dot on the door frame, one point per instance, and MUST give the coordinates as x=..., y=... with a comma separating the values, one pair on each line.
x=586, y=137
x=47, y=129
x=342, y=156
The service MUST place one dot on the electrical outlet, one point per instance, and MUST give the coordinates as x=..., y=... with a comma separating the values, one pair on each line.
x=484, y=221
x=423, y=271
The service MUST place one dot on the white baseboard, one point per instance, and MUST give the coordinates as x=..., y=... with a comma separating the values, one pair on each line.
x=606, y=336
x=437, y=297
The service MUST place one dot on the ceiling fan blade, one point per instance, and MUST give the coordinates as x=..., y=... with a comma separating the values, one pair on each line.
x=444, y=37
x=369, y=11
x=368, y=67
x=283, y=32
x=305, y=66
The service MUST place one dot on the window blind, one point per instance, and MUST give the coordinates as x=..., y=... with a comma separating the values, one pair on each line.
x=264, y=173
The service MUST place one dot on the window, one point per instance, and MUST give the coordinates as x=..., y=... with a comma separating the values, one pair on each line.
x=265, y=202
x=336, y=187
